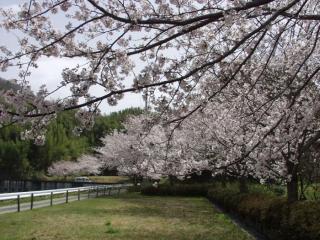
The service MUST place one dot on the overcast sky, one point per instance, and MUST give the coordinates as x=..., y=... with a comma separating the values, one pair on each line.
x=49, y=70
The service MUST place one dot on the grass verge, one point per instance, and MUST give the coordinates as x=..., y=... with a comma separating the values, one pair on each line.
x=97, y=179
x=130, y=216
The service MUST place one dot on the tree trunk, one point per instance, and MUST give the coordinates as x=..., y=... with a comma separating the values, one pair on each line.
x=224, y=180
x=171, y=180
x=302, y=194
x=135, y=180
x=292, y=186
x=223, y=183
x=243, y=186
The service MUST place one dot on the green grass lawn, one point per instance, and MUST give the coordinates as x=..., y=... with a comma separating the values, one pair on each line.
x=128, y=217
x=98, y=179
x=109, y=179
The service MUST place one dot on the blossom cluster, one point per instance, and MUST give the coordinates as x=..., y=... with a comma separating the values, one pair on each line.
x=233, y=84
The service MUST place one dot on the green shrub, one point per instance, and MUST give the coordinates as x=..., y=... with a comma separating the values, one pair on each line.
x=188, y=190
x=278, y=190
x=134, y=188
x=272, y=215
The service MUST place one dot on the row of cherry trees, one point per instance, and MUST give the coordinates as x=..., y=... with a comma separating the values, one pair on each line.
x=240, y=135
x=232, y=83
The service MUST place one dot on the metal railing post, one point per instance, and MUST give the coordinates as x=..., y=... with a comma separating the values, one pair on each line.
x=51, y=199
x=101, y=190
x=67, y=196
x=18, y=202
x=31, y=201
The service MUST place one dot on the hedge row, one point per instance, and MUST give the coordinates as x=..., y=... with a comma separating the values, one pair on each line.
x=186, y=190
x=271, y=215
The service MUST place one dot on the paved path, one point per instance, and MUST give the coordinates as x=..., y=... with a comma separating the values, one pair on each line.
x=45, y=203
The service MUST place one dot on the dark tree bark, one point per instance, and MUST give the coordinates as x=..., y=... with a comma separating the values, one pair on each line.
x=223, y=183
x=243, y=186
x=171, y=180
x=293, y=185
x=302, y=194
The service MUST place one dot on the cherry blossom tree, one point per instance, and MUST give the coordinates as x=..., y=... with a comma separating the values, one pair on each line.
x=141, y=150
x=86, y=164
x=232, y=82
x=265, y=133
x=172, y=48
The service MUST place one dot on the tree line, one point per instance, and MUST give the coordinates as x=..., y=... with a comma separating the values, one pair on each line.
x=23, y=159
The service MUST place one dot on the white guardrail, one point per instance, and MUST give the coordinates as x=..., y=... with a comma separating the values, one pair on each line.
x=97, y=190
